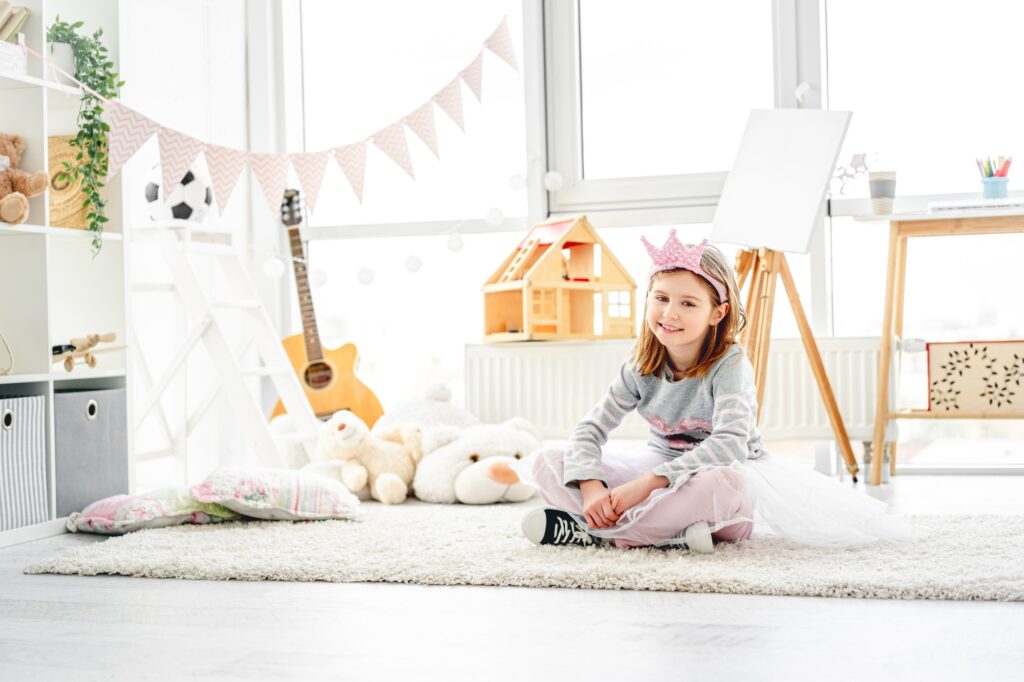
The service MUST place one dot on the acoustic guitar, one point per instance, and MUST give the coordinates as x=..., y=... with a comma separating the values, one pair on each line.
x=327, y=376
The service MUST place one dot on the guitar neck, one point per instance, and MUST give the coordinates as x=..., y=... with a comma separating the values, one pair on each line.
x=310, y=333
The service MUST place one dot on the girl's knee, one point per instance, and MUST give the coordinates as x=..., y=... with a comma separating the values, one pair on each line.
x=727, y=488
x=548, y=461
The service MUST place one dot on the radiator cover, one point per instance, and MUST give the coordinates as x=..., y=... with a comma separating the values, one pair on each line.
x=553, y=384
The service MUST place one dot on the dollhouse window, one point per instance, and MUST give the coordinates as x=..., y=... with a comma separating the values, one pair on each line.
x=544, y=303
x=618, y=304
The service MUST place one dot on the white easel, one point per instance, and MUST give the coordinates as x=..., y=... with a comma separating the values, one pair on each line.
x=771, y=202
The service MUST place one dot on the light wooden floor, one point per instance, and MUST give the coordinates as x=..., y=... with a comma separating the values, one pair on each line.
x=114, y=628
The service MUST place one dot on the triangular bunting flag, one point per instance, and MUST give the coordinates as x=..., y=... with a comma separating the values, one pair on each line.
x=225, y=166
x=310, y=168
x=129, y=130
x=500, y=43
x=352, y=159
x=271, y=170
x=449, y=98
x=421, y=122
x=177, y=152
x=391, y=141
x=474, y=75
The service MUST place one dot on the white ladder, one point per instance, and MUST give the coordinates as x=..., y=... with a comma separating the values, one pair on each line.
x=206, y=318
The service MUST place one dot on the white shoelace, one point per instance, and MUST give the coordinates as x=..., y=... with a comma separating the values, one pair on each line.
x=570, y=531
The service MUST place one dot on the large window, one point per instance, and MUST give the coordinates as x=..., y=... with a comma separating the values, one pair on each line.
x=666, y=86
x=367, y=64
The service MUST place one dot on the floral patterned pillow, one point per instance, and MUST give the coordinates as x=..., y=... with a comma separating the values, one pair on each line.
x=126, y=513
x=277, y=494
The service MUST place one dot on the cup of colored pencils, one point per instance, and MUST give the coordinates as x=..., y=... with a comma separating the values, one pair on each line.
x=994, y=180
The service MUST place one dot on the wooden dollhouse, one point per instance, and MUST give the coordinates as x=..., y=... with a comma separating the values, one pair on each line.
x=561, y=282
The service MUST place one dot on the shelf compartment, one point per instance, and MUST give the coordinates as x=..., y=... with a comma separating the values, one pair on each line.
x=23, y=312
x=86, y=296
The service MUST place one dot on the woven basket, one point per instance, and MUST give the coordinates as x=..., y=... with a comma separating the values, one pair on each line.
x=66, y=199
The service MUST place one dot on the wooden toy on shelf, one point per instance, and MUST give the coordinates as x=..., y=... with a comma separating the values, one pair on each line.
x=560, y=283
x=84, y=349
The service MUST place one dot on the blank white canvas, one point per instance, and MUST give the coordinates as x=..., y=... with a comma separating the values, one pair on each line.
x=774, y=192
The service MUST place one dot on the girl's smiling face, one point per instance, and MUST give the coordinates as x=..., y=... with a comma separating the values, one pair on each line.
x=680, y=313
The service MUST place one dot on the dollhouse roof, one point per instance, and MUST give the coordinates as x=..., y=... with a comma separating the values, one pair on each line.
x=557, y=234
x=549, y=233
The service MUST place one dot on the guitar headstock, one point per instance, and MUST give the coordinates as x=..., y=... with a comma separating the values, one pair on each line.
x=291, y=208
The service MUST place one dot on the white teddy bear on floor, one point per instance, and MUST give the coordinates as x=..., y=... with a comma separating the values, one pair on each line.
x=368, y=465
x=473, y=465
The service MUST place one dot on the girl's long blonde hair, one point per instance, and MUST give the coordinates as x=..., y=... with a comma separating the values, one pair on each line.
x=649, y=354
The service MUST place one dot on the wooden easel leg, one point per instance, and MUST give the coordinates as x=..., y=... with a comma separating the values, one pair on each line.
x=755, y=304
x=885, y=353
x=818, y=367
x=744, y=259
x=749, y=335
x=764, y=331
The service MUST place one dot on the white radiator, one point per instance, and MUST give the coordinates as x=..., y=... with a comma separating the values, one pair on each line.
x=554, y=383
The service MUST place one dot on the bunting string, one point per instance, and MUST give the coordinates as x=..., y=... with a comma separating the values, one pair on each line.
x=130, y=130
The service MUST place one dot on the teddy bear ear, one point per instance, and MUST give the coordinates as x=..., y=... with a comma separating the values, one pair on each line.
x=19, y=144
x=521, y=424
x=438, y=392
x=438, y=437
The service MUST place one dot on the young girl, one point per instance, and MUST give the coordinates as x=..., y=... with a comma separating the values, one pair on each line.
x=704, y=469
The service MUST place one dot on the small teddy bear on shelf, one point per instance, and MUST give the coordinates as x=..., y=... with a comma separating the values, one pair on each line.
x=16, y=186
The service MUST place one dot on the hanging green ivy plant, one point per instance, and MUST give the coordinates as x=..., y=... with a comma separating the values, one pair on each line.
x=95, y=70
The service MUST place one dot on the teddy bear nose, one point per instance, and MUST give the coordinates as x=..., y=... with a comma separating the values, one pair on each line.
x=502, y=473
x=341, y=427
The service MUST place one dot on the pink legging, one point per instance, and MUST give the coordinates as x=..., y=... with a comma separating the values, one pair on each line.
x=713, y=495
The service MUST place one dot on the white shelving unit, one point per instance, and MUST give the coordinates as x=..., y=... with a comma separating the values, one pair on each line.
x=52, y=288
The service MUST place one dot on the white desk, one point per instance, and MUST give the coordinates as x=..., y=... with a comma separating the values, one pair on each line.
x=901, y=228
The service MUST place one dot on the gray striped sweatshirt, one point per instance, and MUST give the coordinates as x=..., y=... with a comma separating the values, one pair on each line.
x=696, y=422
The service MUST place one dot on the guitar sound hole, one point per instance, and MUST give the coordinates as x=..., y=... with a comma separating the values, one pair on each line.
x=318, y=375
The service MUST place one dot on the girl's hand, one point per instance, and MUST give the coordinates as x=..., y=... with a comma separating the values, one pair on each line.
x=630, y=494
x=597, y=505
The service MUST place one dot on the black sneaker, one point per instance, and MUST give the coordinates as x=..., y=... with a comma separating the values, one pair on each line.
x=556, y=527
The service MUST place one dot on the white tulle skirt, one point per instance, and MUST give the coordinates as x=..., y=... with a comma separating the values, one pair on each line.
x=810, y=508
x=792, y=501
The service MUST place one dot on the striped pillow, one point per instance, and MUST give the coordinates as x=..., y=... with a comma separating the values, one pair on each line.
x=126, y=513
x=277, y=494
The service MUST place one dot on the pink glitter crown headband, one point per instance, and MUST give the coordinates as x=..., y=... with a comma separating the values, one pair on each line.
x=675, y=255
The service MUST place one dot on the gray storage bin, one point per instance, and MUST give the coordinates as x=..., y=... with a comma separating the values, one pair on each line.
x=22, y=462
x=91, y=431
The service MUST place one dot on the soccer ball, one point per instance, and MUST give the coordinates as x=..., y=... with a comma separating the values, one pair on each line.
x=189, y=201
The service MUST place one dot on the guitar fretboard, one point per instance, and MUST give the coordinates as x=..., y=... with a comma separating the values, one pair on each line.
x=310, y=333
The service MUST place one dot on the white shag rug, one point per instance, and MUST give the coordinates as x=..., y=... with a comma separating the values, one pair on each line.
x=957, y=557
